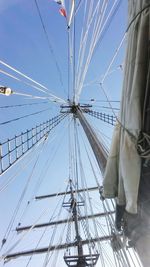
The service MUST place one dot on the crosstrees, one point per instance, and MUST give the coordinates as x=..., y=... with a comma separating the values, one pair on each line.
x=55, y=247
x=97, y=215
x=65, y=193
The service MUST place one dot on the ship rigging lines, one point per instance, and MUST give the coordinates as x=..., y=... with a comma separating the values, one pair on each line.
x=54, y=146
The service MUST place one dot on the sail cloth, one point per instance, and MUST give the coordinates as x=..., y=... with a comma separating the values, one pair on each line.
x=123, y=170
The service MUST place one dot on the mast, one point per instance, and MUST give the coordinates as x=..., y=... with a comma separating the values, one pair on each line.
x=79, y=260
x=98, y=149
x=99, y=152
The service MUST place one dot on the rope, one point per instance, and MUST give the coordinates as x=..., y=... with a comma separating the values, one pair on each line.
x=110, y=219
x=23, y=75
x=70, y=62
x=24, y=235
x=50, y=159
x=86, y=192
x=137, y=15
x=11, y=178
x=109, y=19
x=108, y=69
x=98, y=30
x=104, y=101
x=80, y=56
x=52, y=98
x=9, y=228
x=22, y=117
x=97, y=25
x=68, y=80
x=22, y=105
x=44, y=89
x=104, y=107
x=46, y=261
x=143, y=145
x=78, y=7
x=48, y=41
x=114, y=57
x=31, y=138
x=19, y=80
x=74, y=55
x=110, y=119
x=83, y=40
x=43, y=173
x=53, y=215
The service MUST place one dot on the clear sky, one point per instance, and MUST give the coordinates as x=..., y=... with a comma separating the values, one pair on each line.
x=25, y=47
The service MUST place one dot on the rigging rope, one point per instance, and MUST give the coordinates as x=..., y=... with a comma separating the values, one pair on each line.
x=68, y=62
x=22, y=105
x=47, y=257
x=94, y=40
x=104, y=107
x=74, y=55
x=24, y=235
x=107, y=210
x=98, y=33
x=109, y=19
x=78, y=7
x=9, y=228
x=23, y=75
x=11, y=178
x=87, y=226
x=48, y=41
x=117, y=51
x=22, y=143
x=80, y=55
x=50, y=98
x=110, y=119
x=25, y=116
x=51, y=158
x=82, y=68
x=76, y=177
x=104, y=101
x=42, y=175
x=42, y=89
x=114, y=57
x=51, y=218
x=19, y=80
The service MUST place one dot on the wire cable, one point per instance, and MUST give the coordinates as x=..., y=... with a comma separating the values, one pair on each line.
x=52, y=216
x=22, y=105
x=9, y=228
x=23, y=75
x=48, y=41
x=42, y=89
x=25, y=116
x=19, y=80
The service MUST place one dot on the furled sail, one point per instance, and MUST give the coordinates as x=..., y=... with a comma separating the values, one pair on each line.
x=129, y=150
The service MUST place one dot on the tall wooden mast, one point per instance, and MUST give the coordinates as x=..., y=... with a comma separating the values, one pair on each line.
x=79, y=260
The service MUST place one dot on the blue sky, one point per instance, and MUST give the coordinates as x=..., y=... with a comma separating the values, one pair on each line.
x=24, y=46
